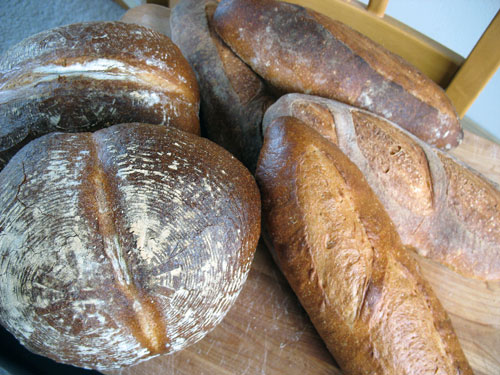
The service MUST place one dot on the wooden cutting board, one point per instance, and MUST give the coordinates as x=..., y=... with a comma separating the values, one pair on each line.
x=267, y=331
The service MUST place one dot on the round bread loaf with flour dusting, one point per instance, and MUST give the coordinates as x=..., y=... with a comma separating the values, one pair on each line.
x=87, y=76
x=122, y=244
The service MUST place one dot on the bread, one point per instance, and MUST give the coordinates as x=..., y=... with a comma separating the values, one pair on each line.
x=233, y=97
x=298, y=50
x=123, y=244
x=443, y=209
x=343, y=258
x=154, y=16
x=87, y=76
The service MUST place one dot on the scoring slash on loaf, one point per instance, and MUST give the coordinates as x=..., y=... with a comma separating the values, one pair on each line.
x=343, y=258
x=298, y=50
x=443, y=209
x=233, y=97
x=87, y=76
x=122, y=244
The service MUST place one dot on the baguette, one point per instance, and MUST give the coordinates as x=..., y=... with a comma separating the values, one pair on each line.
x=298, y=50
x=343, y=258
x=233, y=97
x=443, y=209
x=87, y=76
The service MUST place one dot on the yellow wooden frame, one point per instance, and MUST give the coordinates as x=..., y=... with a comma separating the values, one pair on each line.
x=463, y=79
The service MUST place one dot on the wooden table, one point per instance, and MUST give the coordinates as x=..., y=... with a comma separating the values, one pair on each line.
x=267, y=331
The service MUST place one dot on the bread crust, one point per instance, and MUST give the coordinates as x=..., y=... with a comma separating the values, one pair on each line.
x=233, y=97
x=343, y=258
x=299, y=50
x=442, y=208
x=87, y=76
x=122, y=244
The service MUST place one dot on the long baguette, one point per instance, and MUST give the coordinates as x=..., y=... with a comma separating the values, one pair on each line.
x=298, y=50
x=442, y=208
x=343, y=258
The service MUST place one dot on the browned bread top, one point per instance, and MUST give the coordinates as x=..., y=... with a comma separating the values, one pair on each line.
x=442, y=208
x=122, y=244
x=87, y=76
x=298, y=50
x=342, y=256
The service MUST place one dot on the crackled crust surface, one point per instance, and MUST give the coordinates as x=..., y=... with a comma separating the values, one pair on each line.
x=87, y=76
x=440, y=207
x=123, y=244
x=343, y=258
x=400, y=164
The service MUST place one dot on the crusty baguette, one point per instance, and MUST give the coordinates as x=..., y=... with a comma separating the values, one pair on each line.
x=442, y=208
x=87, y=76
x=122, y=244
x=299, y=50
x=343, y=258
x=233, y=97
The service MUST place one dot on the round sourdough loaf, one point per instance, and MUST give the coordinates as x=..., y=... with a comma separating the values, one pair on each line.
x=87, y=76
x=122, y=244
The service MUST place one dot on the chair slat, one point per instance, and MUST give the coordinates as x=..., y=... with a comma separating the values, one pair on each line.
x=377, y=7
x=477, y=70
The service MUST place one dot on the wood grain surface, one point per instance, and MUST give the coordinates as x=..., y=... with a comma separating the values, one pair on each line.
x=267, y=331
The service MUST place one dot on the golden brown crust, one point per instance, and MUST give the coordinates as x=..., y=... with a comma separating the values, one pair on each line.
x=439, y=206
x=298, y=50
x=343, y=258
x=318, y=117
x=87, y=76
x=122, y=244
x=475, y=201
x=400, y=163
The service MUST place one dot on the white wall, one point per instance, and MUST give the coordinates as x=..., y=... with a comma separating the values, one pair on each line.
x=458, y=25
